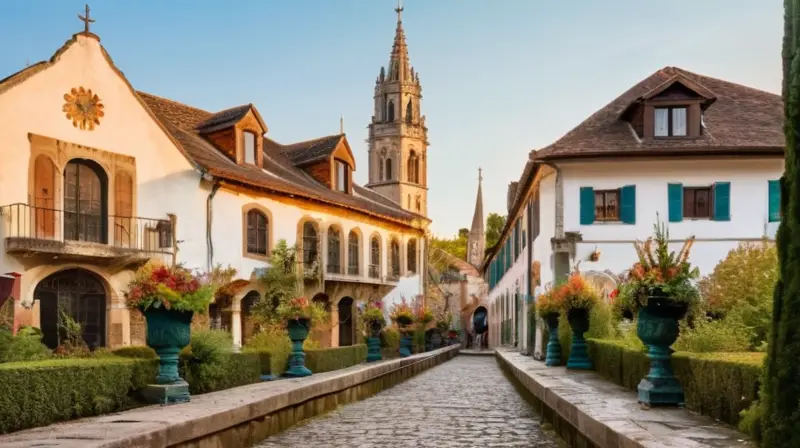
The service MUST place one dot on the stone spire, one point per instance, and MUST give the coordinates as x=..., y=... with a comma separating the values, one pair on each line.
x=476, y=242
x=399, y=65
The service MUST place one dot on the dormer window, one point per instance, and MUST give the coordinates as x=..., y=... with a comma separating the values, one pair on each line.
x=670, y=121
x=250, y=155
x=342, y=176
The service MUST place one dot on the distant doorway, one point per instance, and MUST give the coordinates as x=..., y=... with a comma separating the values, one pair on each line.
x=248, y=326
x=346, y=327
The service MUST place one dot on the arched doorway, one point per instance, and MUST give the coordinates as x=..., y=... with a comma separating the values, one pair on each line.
x=85, y=199
x=346, y=327
x=322, y=332
x=82, y=296
x=247, y=324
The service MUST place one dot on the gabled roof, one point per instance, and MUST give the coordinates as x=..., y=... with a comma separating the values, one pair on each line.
x=313, y=150
x=279, y=174
x=229, y=117
x=742, y=120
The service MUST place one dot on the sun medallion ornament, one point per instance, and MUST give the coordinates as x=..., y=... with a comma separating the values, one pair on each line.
x=83, y=107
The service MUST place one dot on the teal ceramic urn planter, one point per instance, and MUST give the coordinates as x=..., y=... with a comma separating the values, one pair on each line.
x=553, y=357
x=657, y=327
x=405, y=343
x=578, y=355
x=298, y=332
x=168, y=332
x=374, y=343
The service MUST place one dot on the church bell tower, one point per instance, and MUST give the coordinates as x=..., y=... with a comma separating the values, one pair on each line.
x=398, y=138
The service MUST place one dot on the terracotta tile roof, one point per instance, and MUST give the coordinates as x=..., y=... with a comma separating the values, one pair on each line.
x=279, y=174
x=741, y=120
x=312, y=150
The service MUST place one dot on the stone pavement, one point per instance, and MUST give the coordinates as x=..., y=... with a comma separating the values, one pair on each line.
x=466, y=402
x=610, y=415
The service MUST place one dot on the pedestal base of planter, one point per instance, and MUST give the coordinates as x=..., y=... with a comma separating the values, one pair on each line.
x=405, y=346
x=297, y=366
x=553, y=356
x=166, y=394
x=374, y=349
x=579, y=356
x=660, y=392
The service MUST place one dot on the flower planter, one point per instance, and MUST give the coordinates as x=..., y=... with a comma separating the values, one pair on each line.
x=374, y=342
x=298, y=332
x=405, y=343
x=404, y=321
x=578, y=354
x=553, y=357
x=168, y=332
x=658, y=329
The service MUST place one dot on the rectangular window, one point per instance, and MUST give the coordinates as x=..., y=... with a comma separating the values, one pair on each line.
x=250, y=148
x=697, y=202
x=606, y=205
x=342, y=177
x=670, y=122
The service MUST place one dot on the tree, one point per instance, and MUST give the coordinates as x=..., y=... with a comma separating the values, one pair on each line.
x=456, y=246
x=463, y=232
x=494, y=228
x=781, y=389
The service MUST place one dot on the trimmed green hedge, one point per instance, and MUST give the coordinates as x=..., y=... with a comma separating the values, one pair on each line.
x=321, y=360
x=38, y=393
x=235, y=369
x=719, y=385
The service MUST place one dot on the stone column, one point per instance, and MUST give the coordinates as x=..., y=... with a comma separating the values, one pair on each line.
x=236, y=325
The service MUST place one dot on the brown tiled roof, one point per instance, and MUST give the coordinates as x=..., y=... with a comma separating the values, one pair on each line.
x=312, y=150
x=224, y=118
x=280, y=174
x=742, y=120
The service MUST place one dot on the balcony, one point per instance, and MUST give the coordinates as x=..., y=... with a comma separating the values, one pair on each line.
x=334, y=273
x=78, y=237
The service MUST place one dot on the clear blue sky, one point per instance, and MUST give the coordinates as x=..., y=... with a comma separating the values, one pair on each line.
x=499, y=78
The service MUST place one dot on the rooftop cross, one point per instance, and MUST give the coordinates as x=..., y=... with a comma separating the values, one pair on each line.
x=480, y=174
x=86, y=20
x=399, y=10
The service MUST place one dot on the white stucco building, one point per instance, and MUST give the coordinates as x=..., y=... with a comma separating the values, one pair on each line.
x=703, y=154
x=99, y=178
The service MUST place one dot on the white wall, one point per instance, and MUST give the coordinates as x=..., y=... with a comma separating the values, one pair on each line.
x=748, y=207
x=514, y=281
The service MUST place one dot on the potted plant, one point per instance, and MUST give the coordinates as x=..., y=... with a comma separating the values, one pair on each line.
x=660, y=288
x=374, y=320
x=403, y=316
x=548, y=307
x=168, y=297
x=424, y=316
x=578, y=297
x=299, y=314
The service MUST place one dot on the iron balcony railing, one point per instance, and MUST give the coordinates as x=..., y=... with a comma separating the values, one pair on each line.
x=23, y=221
x=374, y=271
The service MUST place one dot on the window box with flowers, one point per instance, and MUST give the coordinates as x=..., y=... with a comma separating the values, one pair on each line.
x=168, y=296
x=548, y=308
x=299, y=314
x=660, y=288
x=374, y=320
x=578, y=299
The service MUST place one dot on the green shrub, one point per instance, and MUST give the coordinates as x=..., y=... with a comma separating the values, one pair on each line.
x=725, y=335
x=327, y=359
x=209, y=364
x=136, y=351
x=720, y=385
x=25, y=346
x=390, y=339
x=38, y=393
x=273, y=346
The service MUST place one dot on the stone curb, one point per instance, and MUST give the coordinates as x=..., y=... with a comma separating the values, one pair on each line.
x=212, y=413
x=588, y=411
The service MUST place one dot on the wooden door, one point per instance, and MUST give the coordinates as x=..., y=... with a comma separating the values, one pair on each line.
x=44, y=185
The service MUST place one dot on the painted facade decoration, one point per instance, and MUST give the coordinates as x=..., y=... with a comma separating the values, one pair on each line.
x=158, y=179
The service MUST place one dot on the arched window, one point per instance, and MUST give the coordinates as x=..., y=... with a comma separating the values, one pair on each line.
x=309, y=245
x=413, y=168
x=411, y=256
x=44, y=175
x=390, y=111
x=353, y=253
x=419, y=204
x=408, y=112
x=380, y=169
x=257, y=232
x=334, y=251
x=409, y=202
x=394, y=260
x=375, y=257
x=388, y=169
x=85, y=201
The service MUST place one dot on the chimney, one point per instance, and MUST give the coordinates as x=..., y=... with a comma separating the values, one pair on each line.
x=512, y=193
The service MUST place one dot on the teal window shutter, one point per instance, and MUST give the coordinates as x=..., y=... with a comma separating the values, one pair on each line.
x=722, y=201
x=627, y=204
x=774, y=201
x=587, y=205
x=675, y=199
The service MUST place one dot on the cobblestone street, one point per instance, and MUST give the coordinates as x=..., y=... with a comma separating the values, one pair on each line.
x=466, y=402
